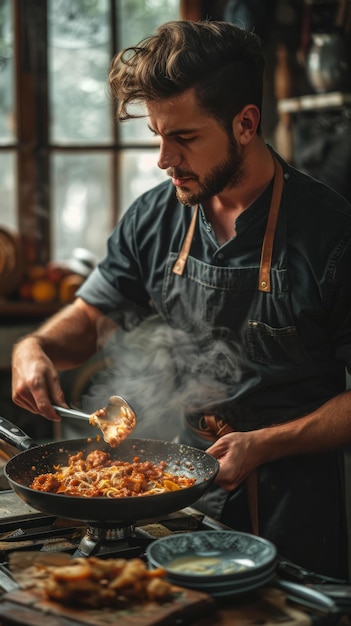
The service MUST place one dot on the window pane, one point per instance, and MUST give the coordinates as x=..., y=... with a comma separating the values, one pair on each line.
x=79, y=56
x=138, y=173
x=137, y=20
x=81, y=203
x=7, y=117
x=8, y=214
x=140, y=18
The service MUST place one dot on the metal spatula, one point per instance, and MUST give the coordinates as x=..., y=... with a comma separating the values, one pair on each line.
x=116, y=420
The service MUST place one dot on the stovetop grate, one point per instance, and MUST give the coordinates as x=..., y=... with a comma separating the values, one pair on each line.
x=24, y=528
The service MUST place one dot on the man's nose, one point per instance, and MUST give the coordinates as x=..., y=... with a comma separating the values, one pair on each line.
x=168, y=156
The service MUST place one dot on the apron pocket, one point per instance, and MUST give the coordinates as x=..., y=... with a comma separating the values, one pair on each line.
x=274, y=345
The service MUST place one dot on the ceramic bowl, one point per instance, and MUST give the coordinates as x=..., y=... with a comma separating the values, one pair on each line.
x=219, y=562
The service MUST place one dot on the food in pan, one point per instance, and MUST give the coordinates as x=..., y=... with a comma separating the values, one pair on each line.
x=117, y=430
x=99, y=475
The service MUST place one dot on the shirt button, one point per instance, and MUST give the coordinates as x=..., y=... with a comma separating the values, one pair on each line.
x=286, y=176
x=221, y=255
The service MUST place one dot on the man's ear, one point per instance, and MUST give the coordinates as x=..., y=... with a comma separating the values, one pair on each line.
x=245, y=123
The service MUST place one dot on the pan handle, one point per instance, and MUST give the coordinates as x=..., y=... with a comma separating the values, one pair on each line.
x=10, y=433
x=307, y=596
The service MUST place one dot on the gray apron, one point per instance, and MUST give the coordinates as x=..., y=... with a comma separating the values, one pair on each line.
x=300, y=500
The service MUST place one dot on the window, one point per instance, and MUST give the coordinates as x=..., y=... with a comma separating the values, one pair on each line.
x=7, y=118
x=67, y=170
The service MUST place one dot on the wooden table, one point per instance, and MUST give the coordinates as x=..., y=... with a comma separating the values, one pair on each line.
x=264, y=607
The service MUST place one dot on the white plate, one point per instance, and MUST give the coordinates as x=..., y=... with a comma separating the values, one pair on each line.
x=247, y=586
x=230, y=588
x=232, y=583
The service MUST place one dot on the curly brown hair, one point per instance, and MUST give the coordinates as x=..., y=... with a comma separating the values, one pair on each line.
x=224, y=64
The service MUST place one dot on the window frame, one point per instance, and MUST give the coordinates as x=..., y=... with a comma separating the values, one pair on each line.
x=33, y=147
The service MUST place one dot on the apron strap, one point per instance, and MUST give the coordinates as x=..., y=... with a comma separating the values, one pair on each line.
x=180, y=263
x=264, y=279
x=251, y=484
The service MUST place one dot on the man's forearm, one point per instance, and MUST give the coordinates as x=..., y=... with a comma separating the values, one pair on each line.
x=73, y=335
x=328, y=427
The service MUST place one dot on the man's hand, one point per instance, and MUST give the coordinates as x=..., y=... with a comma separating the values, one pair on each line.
x=234, y=452
x=326, y=428
x=66, y=340
x=35, y=380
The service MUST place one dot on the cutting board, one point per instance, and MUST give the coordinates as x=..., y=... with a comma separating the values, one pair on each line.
x=30, y=607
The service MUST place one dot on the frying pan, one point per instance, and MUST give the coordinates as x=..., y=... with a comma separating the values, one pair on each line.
x=35, y=459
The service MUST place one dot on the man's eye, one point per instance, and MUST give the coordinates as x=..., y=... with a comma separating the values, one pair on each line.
x=186, y=139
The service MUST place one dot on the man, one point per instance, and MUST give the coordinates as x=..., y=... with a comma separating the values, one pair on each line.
x=239, y=251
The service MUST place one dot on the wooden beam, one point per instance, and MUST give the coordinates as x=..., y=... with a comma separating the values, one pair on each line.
x=32, y=128
x=190, y=10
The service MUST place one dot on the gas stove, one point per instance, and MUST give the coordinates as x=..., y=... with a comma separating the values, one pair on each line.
x=24, y=528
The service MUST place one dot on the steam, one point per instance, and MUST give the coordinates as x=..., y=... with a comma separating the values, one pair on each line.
x=164, y=372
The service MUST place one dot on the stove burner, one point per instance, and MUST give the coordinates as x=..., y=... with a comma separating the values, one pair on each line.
x=110, y=533
x=119, y=539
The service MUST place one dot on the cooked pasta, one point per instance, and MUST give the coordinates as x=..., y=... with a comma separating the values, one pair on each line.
x=99, y=475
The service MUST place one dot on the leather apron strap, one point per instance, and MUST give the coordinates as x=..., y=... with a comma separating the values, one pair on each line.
x=264, y=278
x=264, y=281
x=180, y=263
x=251, y=484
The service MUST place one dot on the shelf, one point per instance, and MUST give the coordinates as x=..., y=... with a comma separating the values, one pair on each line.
x=314, y=102
x=27, y=310
x=18, y=319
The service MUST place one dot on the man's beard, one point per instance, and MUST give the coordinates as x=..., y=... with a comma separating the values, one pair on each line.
x=229, y=173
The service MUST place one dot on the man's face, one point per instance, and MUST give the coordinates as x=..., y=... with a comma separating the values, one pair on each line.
x=195, y=150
